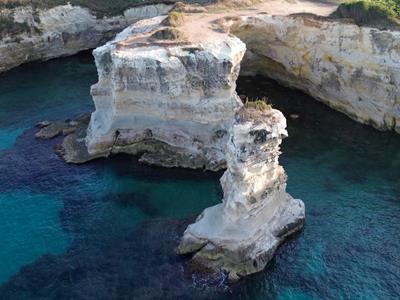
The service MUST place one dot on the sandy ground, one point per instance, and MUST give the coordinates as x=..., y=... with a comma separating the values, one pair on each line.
x=198, y=27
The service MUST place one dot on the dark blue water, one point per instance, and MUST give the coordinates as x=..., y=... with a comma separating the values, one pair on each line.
x=106, y=230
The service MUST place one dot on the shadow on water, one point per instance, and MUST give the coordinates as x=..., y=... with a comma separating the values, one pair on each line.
x=123, y=219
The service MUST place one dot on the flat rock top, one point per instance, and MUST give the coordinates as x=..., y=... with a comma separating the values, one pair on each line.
x=201, y=27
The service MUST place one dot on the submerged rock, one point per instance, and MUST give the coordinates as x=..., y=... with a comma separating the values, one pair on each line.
x=73, y=147
x=174, y=101
x=51, y=130
x=241, y=235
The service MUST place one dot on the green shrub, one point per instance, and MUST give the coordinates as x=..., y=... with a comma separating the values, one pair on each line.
x=100, y=7
x=377, y=13
x=258, y=104
x=174, y=19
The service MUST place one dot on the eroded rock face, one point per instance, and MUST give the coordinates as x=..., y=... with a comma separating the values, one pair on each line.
x=64, y=30
x=170, y=99
x=173, y=102
x=355, y=70
x=240, y=235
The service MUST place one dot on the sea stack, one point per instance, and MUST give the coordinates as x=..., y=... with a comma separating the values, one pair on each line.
x=240, y=235
x=170, y=97
x=166, y=97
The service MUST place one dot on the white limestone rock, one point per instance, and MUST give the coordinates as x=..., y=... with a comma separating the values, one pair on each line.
x=355, y=70
x=64, y=30
x=173, y=100
x=240, y=235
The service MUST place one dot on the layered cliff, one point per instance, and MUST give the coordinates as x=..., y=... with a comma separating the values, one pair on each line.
x=40, y=34
x=240, y=235
x=163, y=96
x=355, y=70
x=169, y=96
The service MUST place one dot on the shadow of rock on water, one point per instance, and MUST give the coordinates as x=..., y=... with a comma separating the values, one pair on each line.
x=142, y=264
x=33, y=164
x=139, y=200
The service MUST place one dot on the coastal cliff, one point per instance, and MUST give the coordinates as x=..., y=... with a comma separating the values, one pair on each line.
x=173, y=101
x=42, y=34
x=241, y=235
x=355, y=70
x=163, y=96
x=170, y=98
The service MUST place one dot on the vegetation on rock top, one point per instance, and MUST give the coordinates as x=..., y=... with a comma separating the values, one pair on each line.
x=100, y=7
x=383, y=14
x=258, y=104
x=174, y=19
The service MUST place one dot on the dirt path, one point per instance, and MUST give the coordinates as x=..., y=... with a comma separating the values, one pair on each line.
x=198, y=27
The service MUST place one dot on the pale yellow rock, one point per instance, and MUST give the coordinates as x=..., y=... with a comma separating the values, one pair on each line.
x=355, y=70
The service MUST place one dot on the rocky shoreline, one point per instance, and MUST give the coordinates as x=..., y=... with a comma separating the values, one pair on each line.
x=352, y=69
x=63, y=30
x=173, y=102
x=167, y=92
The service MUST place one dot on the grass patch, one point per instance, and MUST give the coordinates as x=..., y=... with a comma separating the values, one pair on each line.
x=258, y=104
x=174, y=19
x=100, y=7
x=383, y=14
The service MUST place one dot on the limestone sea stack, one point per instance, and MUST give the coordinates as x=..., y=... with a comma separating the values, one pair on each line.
x=240, y=235
x=165, y=97
x=168, y=94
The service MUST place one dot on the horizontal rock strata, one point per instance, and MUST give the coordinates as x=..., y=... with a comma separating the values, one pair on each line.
x=170, y=99
x=42, y=34
x=240, y=235
x=355, y=70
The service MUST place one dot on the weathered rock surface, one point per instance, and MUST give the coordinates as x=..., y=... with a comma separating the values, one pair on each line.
x=73, y=147
x=240, y=235
x=355, y=70
x=172, y=100
x=64, y=30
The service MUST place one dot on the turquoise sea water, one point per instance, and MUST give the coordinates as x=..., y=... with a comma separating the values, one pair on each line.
x=107, y=230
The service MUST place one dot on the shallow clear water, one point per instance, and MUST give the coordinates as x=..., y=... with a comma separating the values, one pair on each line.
x=107, y=229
